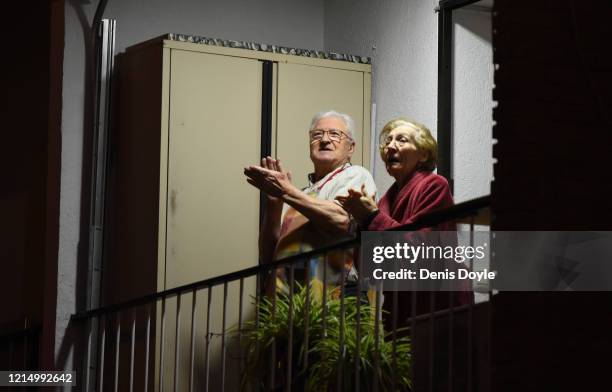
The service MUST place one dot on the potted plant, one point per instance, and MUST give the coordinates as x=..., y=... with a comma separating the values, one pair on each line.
x=332, y=347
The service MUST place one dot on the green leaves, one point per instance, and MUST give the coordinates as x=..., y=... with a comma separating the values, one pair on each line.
x=332, y=347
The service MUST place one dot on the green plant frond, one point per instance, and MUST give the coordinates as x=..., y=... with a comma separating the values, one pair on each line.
x=326, y=355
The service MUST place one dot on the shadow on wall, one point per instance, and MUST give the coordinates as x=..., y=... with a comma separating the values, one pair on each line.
x=64, y=349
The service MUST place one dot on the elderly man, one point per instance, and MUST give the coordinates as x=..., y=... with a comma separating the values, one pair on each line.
x=311, y=217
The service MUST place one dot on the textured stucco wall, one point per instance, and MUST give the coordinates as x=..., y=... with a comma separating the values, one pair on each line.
x=401, y=36
x=296, y=23
x=472, y=104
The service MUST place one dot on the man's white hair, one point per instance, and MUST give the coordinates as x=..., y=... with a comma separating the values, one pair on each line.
x=348, y=121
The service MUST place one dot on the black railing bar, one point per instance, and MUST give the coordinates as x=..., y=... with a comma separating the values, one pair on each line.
x=162, y=344
x=470, y=360
x=307, y=313
x=451, y=347
x=177, y=341
x=147, y=348
x=489, y=323
x=377, y=321
x=461, y=210
x=412, y=321
x=132, y=346
x=244, y=273
x=470, y=316
x=454, y=4
x=223, y=344
x=340, y=378
x=258, y=293
x=457, y=211
x=240, y=305
x=87, y=357
x=272, y=374
x=290, y=328
x=241, y=294
x=471, y=260
x=358, y=319
x=192, y=339
x=430, y=317
x=324, y=299
x=117, y=349
x=102, y=346
x=207, y=353
x=394, y=337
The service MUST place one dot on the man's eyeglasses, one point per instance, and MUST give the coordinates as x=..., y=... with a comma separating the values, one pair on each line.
x=335, y=135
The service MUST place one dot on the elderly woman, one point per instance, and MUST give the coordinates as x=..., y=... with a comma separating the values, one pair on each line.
x=409, y=152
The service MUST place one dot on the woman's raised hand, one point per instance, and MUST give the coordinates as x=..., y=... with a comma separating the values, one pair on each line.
x=358, y=203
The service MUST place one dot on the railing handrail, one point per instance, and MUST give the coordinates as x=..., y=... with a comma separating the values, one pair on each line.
x=433, y=218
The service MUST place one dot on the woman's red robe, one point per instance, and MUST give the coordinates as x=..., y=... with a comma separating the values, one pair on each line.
x=423, y=193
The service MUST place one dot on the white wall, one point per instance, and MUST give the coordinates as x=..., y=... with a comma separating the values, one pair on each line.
x=472, y=103
x=294, y=23
x=405, y=36
x=404, y=61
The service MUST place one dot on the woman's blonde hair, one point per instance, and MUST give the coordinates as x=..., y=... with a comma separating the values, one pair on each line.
x=422, y=139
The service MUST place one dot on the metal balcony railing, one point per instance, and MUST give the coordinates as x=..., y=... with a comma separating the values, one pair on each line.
x=225, y=333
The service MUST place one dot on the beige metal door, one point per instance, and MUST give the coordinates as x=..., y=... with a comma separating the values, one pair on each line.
x=212, y=213
x=215, y=109
x=305, y=90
